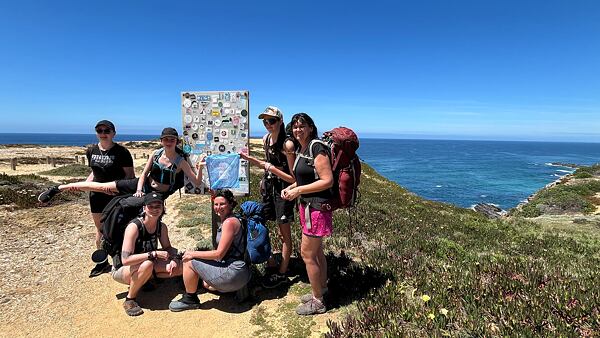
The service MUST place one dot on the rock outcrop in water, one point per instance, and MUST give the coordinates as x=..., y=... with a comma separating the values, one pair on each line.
x=489, y=210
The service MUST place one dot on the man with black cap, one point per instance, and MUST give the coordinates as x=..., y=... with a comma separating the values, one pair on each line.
x=140, y=255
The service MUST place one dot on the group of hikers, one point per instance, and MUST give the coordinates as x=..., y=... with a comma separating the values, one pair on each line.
x=297, y=172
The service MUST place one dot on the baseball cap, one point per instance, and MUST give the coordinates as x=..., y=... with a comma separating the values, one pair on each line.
x=153, y=197
x=271, y=111
x=169, y=132
x=106, y=123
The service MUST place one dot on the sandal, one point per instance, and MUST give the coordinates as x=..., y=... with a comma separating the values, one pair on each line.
x=132, y=308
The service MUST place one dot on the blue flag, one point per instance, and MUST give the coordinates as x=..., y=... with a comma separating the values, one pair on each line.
x=223, y=171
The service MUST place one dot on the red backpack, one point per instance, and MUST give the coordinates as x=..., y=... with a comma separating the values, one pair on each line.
x=345, y=165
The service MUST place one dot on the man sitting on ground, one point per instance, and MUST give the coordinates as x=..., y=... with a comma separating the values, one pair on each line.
x=140, y=255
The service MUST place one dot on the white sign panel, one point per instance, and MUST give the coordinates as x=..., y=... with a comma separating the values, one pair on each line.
x=216, y=122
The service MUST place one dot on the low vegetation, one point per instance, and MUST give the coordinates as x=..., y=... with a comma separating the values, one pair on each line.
x=73, y=170
x=454, y=273
x=21, y=191
x=576, y=195
x=587, y=172
x=406, y=266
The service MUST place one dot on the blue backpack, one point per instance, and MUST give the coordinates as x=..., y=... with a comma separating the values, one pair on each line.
x=258, y=245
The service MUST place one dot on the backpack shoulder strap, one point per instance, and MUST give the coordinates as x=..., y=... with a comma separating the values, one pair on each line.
x=137, y=221
x=243, y=252
x=266, y=145
x=178, y=160
x=310, y=155
x=312, y=143
x=158, y=153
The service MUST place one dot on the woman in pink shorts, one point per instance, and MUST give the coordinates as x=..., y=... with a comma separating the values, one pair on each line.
x=314, y=180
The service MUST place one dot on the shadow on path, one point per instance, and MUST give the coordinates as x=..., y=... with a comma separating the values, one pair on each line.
x=348, y=281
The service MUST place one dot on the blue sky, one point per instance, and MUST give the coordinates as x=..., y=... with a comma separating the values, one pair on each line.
x=506, y=70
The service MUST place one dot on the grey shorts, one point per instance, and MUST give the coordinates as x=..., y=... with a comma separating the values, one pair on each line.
x=225, y=277
x=117, y=275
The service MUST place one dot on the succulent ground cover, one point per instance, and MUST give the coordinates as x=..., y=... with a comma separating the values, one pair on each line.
x=452, y=272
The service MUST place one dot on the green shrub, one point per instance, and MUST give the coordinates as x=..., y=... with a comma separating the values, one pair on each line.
x=562, y=198
x=75, y=170
x=583, y=175
x=587, y=172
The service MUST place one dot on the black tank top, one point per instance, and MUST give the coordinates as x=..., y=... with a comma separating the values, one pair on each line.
x=146, y=242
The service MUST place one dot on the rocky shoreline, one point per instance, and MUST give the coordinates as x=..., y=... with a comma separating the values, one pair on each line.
x=492, y=211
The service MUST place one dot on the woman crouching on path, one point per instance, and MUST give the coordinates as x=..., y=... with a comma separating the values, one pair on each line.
x=223, y=269
x=140, y=255
x=159, y=174
x=279, y=158
x=312, y=190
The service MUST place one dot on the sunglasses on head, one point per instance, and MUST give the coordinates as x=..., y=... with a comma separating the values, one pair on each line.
x=270, y=121
x=103, y=131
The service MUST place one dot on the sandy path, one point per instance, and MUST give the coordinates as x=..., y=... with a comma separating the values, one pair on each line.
x=46, y=291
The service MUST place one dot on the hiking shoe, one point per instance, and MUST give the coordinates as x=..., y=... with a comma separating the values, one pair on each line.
x=307, y=297
x=183, y=304
x=132, y=308
x=47, y=195
x=100, y=269
x=312, y=307
x=274, y=281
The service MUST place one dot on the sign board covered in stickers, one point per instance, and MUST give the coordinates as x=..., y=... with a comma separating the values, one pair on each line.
x=215, y=124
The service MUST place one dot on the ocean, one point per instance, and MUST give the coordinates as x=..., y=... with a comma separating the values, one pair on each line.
x=459, y=172
x=468, y=172
x=65, y=139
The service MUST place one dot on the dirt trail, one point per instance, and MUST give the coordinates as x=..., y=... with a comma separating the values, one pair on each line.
x=45, y=289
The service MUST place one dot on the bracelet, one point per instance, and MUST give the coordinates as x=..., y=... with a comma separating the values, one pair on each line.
x=150, y=255
x=267, y=166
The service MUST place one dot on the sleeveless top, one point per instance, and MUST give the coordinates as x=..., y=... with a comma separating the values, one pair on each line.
x=161, y=173
x=237, y=248
x=146, y=242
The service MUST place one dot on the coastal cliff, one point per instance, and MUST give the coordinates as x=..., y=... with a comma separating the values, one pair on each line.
x=400, y=266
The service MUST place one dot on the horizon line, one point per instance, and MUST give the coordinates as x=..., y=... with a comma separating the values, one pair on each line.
x=371, y=136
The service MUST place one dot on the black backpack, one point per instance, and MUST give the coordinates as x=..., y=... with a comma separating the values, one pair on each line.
x=117, y=214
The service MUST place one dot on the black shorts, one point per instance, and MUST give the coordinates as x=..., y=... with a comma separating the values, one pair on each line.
x=283, y=209
x=129, y=186
x=98, y=201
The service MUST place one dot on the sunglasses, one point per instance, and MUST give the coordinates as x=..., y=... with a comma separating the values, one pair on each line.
x=103, y=131
x=270, y=121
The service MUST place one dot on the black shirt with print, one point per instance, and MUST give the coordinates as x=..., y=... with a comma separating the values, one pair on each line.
x=108, y=165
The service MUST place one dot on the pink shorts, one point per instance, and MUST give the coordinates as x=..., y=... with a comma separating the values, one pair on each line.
x=321, y=222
